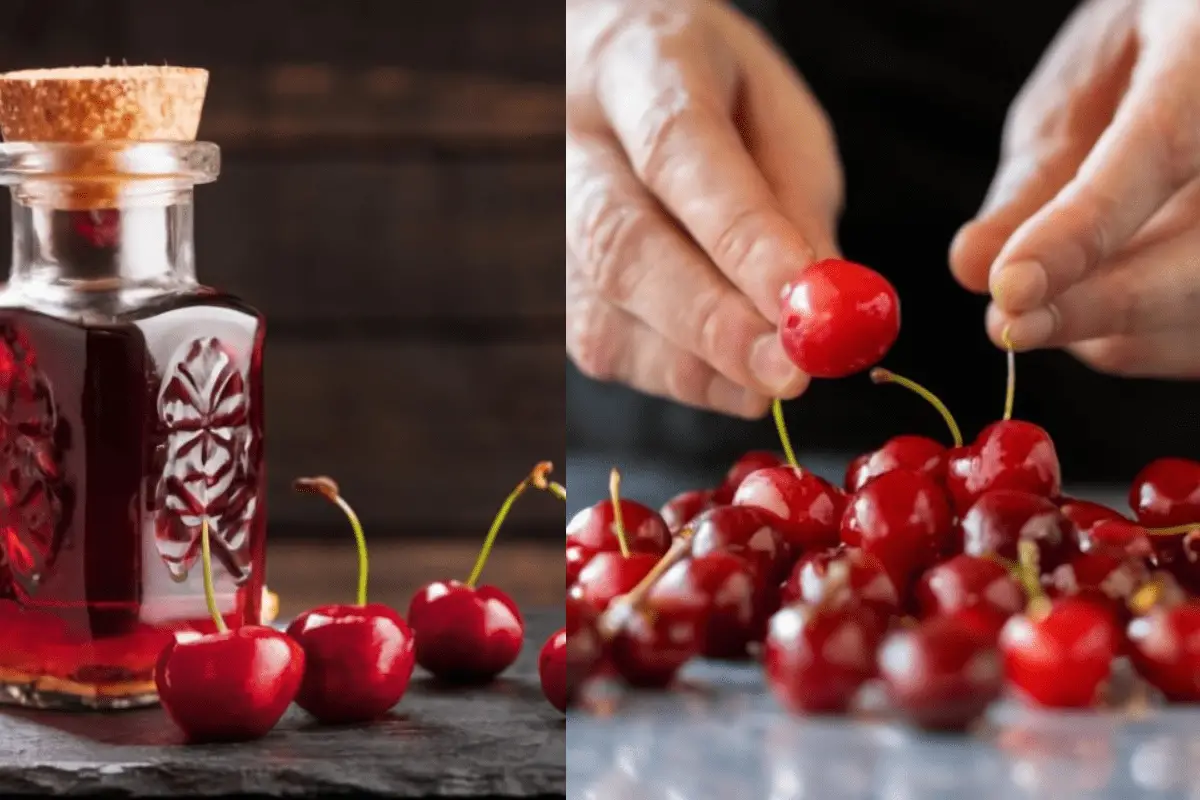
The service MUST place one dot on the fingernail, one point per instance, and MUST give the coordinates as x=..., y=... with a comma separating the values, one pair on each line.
x=773, y=369
x=1020, y=286
x=1033, y=329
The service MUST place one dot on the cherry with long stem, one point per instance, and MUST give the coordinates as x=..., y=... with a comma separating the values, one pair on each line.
x=327, y=487
x=784, y=440
x=879, y=375
x=614, y=491
x=538, y=474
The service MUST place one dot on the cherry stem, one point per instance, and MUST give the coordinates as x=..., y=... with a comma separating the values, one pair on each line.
x=881, y=375
x=210, y=593
x=1149, y=595
x=326, y=487
x=620, y=608
x=781, y=426
x=1174, y=530
x=540, y=481
x=1010, y=391
x=1030, y=576
x=614, y=492
x=490, y=540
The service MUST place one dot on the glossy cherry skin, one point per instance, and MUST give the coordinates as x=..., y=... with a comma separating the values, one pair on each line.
x=817, y=658
x=1014, y=455
x=914, y=453
x=686, y=506
x=657, y=640
x=735, y=602
x=747, y=532
x=610, y=575
x=838, y=318
x=750, y=462
x=464, y=635
x=595, y=529
x=1102, y=576
x=969, y=582
x=902, y=518
x=232, y=686
x=584, y=648
x=357, y=661
x=808, y=507
x=1165, y=649
x=552, y=669
x=577, y=558
x=942, y=674
x=815, y=580
x=1001, y=518
x=1117, y=537
x=1060, y=660
x=1164, y=494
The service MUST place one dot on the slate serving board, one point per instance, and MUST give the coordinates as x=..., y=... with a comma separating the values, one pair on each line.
x=500, y=741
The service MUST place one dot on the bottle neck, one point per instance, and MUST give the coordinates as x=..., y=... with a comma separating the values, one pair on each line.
x=140, y=244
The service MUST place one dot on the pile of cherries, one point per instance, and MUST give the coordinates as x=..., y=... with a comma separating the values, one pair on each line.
x=348, y=664
x=948, y=575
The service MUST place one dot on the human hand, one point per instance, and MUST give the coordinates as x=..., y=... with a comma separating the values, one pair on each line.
x=1090, y=236
x=701, y=175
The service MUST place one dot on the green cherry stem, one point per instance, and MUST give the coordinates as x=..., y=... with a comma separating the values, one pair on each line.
x=614, y=492
x=879, y=375
x=494, y=531
x=1030, y=577
x=328, y=488
x=210, y=593
x=781, y=426
x=1010, y=390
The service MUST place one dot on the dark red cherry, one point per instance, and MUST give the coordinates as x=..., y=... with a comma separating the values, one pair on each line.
x=818, y=577
x=750, y=462
x=969, y=582
x=1166, y=493
x=1085, y=514
x=903, y=519
x=1165, y=649
x=1102, y=576
x=942, y=674
x=838, y=318
x=915, y=453
x=595, y=529
x=552, y=669
x=817, y=657
x=1118, y=537
x=464, y=634
x=747, y=532
x=585, y=650
x=577, y=558
x=686, y=506
x=610, y=575
x=808, y=507
x=656, y=640
x=735, y=601
x=1013, y=454
x=1061, y=658
x=999, y=519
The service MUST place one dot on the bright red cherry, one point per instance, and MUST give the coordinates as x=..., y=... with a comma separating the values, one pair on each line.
x=610, y=575
x=552, y=669
x=686, y=506
x=750, y=462
x=942, y=674
x=1102, y=576
x=838, y=318
x=1060, y=656
x=1165, y=646
x=1166, y=493
x=1001, y=518
x=577, y=558
x=817, y=657
x=747, y=532
x=657, y=639
x=808, y=507
x=358, y=658
x=1011, y=454
x=594, y=529
x=970, y=582
x=818, y=577
x=903, y=519
x=913, y=453
x=229, y=685
x=1118, y=537
x=584, y=647
x=735, y=601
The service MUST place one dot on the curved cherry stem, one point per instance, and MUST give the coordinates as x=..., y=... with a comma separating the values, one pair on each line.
x=540, y=479
x=781, y=426
x=327, y=487
x=621, y=608
x=494, y=531
x=1173, y=530
x=1010, y=390
x=880, y=375
x=614, y=492
x=210, y=592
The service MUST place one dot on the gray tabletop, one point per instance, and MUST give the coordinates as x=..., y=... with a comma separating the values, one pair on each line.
x=503, y=740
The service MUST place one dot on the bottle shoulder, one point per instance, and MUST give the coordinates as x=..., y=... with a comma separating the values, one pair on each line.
x=116, y=308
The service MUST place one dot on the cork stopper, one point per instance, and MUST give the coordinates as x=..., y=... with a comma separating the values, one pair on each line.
x=89, y=104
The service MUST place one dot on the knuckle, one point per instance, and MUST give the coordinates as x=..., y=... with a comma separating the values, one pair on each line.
x=736, y=241
x=660, y=134
x=611, y=238
x=590, y=340
x=1111, y=356
x=686, y=379
x=724, y=335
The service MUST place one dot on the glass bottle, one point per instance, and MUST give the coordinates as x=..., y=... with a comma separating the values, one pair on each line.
x=131, y=408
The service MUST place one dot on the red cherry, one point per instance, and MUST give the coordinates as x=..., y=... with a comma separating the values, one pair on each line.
x=1102, y=576
x=999, y=519
x=686, y=506
x=815, y=580
x=838, y=318
x=229, y=686
x=984, y=620
x=358, y=661
x=1165, y=646
x=552, y=669
x=1059, y=659
x=903, y=519
x=942, y=674
x=733, y=597
x=1084, y=514
x=817, y=657
x=914, y=453
x=595, y=528
x=1166, y=493
x=750, y=462
x=1012, y=454
x=577, y=558
x=808, y=507
x=1118, y=537
x=584, y=649
x=464, y=635
x=610, y=575
x=747, y=532
x=969, y=582
x=657, y=640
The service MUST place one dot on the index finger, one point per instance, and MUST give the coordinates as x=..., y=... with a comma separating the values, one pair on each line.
x=679, y=136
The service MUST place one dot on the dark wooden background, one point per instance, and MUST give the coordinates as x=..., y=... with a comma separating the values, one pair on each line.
x=391, y=198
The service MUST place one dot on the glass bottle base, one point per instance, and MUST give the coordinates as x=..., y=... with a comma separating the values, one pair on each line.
x=56, y=694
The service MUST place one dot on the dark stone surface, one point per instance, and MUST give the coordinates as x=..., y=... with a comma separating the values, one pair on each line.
x=500, y=741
